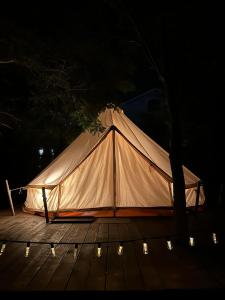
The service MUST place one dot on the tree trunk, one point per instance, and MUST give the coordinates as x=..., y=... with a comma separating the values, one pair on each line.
x=178, y=183
x=172, y=98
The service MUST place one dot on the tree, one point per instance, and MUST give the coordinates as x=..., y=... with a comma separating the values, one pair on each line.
x=190, y=58
x=175, y=139
x=61, y=76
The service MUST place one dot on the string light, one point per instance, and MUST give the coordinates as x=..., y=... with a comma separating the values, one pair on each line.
x=27, y=249
x=99, y=250
x=120, y=249
x=3, y=248
x=191, y=241
x=169, y=245
x=53, y=249
x=214, y=237
x=75, y=251
x=145, y=247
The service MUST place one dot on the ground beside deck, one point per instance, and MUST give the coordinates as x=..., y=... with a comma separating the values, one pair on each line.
x=183, y=268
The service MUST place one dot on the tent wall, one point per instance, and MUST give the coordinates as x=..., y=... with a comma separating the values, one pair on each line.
x=191, y=196
x=138, y=184
x=90, y=185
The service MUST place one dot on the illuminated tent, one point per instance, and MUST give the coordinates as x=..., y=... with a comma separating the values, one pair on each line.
x=120, y=167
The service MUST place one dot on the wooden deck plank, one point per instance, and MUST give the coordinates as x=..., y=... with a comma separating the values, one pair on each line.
x=6, y=220
x=49, y=265
x=96, y=276
x=147, y=226
x=31, y=266
x=12, y=225
x=175, y=272
x=213, y=264
x=177, y=266
x=132, y=273
x=28, y=267
x=115, y=279
x=13, y=259
x=81, y=269
x=63, y=271
x=201, y=265
x=52, y=233
x=19, y=233
x=149, y=273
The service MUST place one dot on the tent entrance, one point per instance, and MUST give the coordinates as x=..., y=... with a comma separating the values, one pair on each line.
x=115, y=175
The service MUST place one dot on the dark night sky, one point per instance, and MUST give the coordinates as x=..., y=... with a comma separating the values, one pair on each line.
x=186, y=41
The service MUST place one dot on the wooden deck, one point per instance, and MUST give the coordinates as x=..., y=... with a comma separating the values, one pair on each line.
x=185, y=267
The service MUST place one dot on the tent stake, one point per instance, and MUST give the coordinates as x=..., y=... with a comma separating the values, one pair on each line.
x=45, y=205
x=10, y=197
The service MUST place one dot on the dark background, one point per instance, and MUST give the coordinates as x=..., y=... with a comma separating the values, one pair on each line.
x=184, y=41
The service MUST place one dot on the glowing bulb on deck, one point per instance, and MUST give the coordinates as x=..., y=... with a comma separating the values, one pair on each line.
x=145, y=247
x=120, y=249
x=53, y=249
x=2, y=248
x=191, y=241
x=75, y=251
x=214, y=237
x=99, y=251
x=169, y=245
x=27, y=250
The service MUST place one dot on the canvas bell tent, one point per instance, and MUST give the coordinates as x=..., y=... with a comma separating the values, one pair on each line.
x=120, y=167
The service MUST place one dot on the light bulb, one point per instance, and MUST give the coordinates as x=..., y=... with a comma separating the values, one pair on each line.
x=27, y=250
x=191, y=241
x=2, y=248
x=145, y=247
x=120, y=249
x=99, y=251
x=53, y=249
x=215, y=240
x=169, y=245
x=75, y=251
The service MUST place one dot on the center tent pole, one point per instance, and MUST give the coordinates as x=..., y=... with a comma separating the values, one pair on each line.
x=114, y=173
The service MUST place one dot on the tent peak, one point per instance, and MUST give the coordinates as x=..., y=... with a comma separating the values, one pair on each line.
x=114, y=107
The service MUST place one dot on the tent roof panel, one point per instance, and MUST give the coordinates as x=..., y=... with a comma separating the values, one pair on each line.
x=74, y=154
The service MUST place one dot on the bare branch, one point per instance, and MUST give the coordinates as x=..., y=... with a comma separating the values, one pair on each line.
x=7, y=61
x=5, y=125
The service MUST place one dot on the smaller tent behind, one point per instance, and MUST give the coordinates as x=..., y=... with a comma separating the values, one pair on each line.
x=120, y=167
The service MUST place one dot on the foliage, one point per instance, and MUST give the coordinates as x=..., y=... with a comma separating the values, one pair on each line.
x=65, y=67
x=60, y=79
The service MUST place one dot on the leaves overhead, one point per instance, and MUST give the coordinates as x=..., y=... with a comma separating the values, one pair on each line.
x=66, y=72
